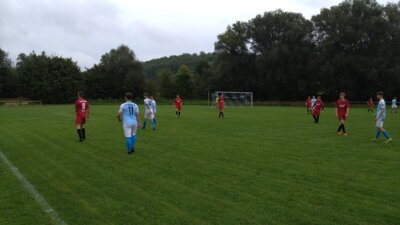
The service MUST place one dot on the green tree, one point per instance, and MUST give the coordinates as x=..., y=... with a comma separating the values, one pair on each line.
x=8, y=81
x=167, y=88
x=184, y=82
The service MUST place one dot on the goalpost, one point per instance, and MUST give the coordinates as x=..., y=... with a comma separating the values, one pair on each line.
x=232, y=98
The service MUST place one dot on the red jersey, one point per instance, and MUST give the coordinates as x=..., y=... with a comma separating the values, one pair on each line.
x=221, y=102
x=319, y=105
x=342, y=106
x=81, y=106
x=370, y=103
x=308, y=103
x=178, y=102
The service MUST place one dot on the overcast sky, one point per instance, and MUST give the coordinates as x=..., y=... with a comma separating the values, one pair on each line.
x=86, y=29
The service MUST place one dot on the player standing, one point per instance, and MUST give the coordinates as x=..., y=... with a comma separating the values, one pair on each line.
x=82, y=114
x=154, y=108
x=221, y=105
x=319, y=105
x=148, y=112
x=394, y=105
x=370, y=105
x=342, y=112
x=178, y=105
x=131, y=121
x=380, y=118
x=308, y=105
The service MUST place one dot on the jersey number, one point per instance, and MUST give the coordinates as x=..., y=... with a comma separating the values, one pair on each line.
x=83, y=106
x=131, y=111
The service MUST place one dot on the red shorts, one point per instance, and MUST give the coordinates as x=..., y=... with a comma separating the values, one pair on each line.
x=80, y=119
x=220, y=108
x=342, y=117
x=316, y=113
x=178, y=108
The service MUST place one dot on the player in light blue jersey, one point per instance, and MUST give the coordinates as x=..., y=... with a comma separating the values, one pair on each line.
x=380, y=118
x=154, y=107
x=129, y=112
x=313, y=101
x=394, y=105
x=148, y=112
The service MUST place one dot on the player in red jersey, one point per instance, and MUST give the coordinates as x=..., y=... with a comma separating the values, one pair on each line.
x=178, y=105
x=82, y=114
x=342, y=111
x=221, y=105
x=318, y=107
x=308, y=105
x=370, y=105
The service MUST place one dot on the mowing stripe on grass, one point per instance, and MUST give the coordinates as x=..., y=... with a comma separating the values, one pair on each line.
x=31, y=189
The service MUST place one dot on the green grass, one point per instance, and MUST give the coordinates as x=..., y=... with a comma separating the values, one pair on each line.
x=265, y=165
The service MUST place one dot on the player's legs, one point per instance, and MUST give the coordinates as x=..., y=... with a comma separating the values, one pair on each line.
x=130, y=137
x=380, y=129
x=80, y=121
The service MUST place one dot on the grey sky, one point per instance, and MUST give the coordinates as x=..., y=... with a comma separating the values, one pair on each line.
x=86, y=29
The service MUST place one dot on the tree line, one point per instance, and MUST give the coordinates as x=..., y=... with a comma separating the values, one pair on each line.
x=351, y=47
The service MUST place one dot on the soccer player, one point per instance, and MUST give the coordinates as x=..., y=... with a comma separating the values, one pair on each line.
x=319, y=105
x=154, y=108
x=313, y=101
x=370, y=105
x=178, y=105
x=380, y=118
x=131, y=121
x=148, y=112
x=308, y=105
x=221, y=105
x=82, y=114
x=394, y=105
x=342, y=112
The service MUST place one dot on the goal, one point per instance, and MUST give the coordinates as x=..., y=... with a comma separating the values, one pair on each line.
x=232, y=98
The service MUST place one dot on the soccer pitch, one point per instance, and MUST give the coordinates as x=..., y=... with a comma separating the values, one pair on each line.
x=262, y=165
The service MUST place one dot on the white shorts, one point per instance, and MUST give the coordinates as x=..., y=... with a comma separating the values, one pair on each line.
x=149, y=115
x=379, y=123
x=130, y=130
x=394, y=106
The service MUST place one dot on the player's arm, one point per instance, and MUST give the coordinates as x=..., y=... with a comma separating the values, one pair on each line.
x=119, y=114
x=88, y=111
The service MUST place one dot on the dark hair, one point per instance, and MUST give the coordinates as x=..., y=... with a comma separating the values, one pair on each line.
x=380, y=93
x=342, y=93
x=80, y=93
x=128, y=95
x=146, y=94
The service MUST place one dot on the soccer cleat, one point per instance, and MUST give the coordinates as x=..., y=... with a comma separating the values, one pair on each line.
x=388, y=141
x=345, y=134
x=339, y=133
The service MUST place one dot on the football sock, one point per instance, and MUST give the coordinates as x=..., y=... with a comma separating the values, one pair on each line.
x=344, y=129
x=83, y=133
x=223, y=115
x=79, y=131
x=220, y=114
x=317, y=119
x=340, y=128
x=153, y=124
x=385, y=133
x=129, y=144
x=133, y=140
x=144, y=124
x=179, y=113
x=378, y=134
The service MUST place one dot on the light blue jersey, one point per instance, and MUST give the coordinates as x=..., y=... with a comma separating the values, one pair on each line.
x=129, y=111
x=381, y=111
x=313, y=101
x=154, y=106
x=147, y=105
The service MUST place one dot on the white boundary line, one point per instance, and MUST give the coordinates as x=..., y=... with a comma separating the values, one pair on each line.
x=32, y=190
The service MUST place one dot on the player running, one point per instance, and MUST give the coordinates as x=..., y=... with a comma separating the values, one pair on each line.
x=148, y=112
x=394, y=105
x=178, y=106
x=82, y=114
x=308, y=105
x=342, y=112
x=221, y=106
x=380, y=118
x=131, y=121
x=370, y=105
x=154, y=108
x=319, y=106
x=313, y=101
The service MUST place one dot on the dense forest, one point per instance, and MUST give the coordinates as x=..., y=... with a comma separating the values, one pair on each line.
x=352, y=47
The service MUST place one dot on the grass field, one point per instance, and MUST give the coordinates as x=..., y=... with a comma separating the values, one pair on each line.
x=265, y=165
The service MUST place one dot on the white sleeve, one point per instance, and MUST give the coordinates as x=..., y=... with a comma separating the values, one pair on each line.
x=121, y=108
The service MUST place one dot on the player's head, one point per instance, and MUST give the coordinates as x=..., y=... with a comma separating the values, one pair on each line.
x=145, y=95
x=80, y=94
x=342, y=95
x=313, y=96
x=308, y=97
x=178, y=96
x=319, y=97
x=379, y=94
x=128, y=96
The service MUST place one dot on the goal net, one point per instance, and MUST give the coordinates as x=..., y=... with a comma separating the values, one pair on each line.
x=232, y=98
